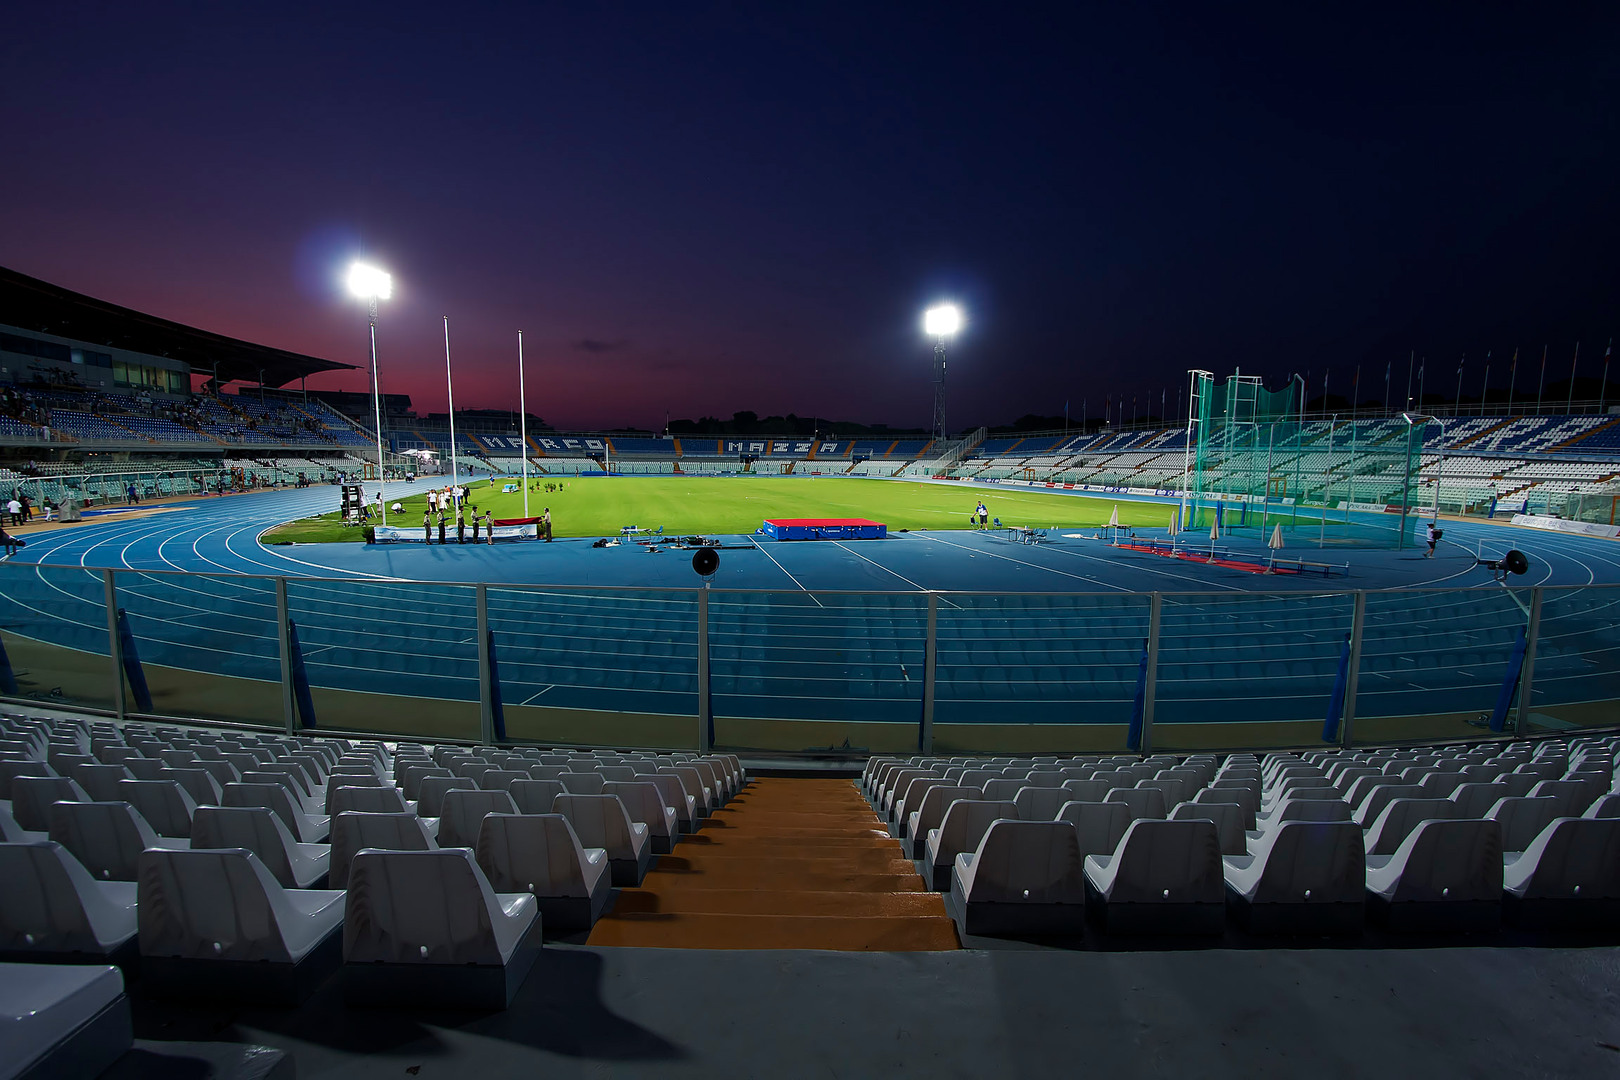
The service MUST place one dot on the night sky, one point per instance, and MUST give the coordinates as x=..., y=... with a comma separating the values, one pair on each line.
x=708, y=209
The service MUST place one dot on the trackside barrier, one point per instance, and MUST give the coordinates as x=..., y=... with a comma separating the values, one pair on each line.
x=952, y=666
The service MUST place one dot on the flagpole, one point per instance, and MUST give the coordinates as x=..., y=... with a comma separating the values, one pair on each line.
x=455, y=480
x=1513, y=376
x=1485, y=389
x=1457, y=408
x=1387, y=365
x=1541, y=385
x=523, y=426
x=1422, y=367
x=1569, y=406
x=1411, y=361
x=1603, y=387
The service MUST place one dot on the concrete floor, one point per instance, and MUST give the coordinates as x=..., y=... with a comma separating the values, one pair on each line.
x=1418, y=1012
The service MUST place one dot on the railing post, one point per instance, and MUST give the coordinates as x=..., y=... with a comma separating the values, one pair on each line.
x=1150, y=687
x=1527, y=673
x=486, y=681
x=289, y=713
x=115, y=645
x=925, y=731
x=705, y=712
x=1358, y=620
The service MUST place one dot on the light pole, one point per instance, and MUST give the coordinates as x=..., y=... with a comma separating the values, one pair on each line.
x=371, y=284
x=940, y=322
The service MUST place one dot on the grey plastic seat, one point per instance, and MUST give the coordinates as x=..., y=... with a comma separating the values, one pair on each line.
x=1164, y=877
x=106, y=837
x=675, y=795
x=536, y=796
x=1445, y=876
x=217, y=924
x=354, y=831
x=9, y=770
x=1087, y=790
x=1373, y=805
x=431, y=793
x=32, y=796
x=99, y=781
x=960, y=830
x=63, y=1020
x=205, y=785
x=163, y=803
x=1523, y=818
x=577, y=783
x=1243, y=800
x=12, y=833
x=463, y=810
x=910, y=799
x=1569, y=876
x=1099, y=826
x=600, y=821
x=1300, y=878
x=1606, y=807
x=645, y=806
x=309, y=829
x=367, y=800
x=928, y=815
x=1573, y=796
x=692, y=781
x=1175, y=791
x=1397, y=820
x=52, y=910
x=1143, y=802
x=256, y=829
x=1474, y=800
x=540, y=854
x=425, y=927
x=1024, y=878
x=1004, y=789
x=411, y=777
x=1040, y=803
x=503, y=779
x=1228, y=819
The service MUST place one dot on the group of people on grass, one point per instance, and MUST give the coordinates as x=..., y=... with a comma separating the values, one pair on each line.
x=479, y=521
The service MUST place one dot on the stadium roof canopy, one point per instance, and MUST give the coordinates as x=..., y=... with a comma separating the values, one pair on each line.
x=31, y=304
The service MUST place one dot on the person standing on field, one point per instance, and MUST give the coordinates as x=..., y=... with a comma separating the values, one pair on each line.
x=545, y=524
x=427, y=527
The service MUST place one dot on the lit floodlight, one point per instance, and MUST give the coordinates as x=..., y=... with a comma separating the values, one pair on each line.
x=370, y=283
x=942, y=321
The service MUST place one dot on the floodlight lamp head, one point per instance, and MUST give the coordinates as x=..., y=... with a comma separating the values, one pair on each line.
x=369, y=283
x=942, y=320
x=1419, y=418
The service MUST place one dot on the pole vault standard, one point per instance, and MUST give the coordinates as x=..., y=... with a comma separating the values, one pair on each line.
x=523, y=427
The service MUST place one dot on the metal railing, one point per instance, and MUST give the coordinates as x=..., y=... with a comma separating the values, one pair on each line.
x=782, y=670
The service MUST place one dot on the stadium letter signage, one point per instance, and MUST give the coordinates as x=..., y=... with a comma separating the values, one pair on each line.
x=572, y=444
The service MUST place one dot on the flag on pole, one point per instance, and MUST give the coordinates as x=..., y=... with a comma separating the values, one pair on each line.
x=1113, y=519
x=1276, y=540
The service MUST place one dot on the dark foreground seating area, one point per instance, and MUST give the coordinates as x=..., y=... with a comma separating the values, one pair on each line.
x=1438, y=840
x=231, y=866
x=179, y=873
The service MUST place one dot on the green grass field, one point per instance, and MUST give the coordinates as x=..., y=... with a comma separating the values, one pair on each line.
x=600, y=506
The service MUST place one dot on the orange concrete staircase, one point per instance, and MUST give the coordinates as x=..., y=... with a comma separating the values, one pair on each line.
x=787, y=864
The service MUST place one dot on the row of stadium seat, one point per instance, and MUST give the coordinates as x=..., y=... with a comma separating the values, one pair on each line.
x=1432, y=841
x=252, y=865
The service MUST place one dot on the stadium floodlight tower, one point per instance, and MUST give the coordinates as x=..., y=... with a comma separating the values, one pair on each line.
x=941, y=322
x=370, y=284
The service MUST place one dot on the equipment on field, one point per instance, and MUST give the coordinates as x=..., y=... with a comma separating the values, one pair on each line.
x=705, y=562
